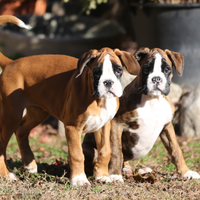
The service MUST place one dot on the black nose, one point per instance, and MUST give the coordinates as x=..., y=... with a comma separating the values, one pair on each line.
x=108, y=83
x=156, y=79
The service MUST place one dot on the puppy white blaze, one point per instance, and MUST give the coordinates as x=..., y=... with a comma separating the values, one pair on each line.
x=157, y=64
x=108, y=74
x=157, y=72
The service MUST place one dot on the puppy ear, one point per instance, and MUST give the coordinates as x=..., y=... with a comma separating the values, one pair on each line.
x=141, y=53
x=84, y=60
x=128, y=61
x=177, y=60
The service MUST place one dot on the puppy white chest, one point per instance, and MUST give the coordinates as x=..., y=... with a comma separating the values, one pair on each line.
x=108, y=111
x=153, y=114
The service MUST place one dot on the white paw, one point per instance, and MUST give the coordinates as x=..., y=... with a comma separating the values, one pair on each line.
x=79, y=180
x=31, y=169
x=116, y=178
x=12, y=177
x=103, y=179
x=191, y=174
x=127, y=171
x=145, y=170
x=126, y=168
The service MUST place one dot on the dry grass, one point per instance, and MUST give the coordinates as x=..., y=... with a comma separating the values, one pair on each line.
x=52, y=180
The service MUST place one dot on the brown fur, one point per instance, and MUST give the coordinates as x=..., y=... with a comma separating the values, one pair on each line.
x=126, y=117
x=52, y=84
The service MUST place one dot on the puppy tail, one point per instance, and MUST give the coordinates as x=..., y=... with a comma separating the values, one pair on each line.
x=4, y=61
x=14, y=20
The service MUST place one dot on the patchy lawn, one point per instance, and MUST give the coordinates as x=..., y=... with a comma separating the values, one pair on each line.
x=52, y=180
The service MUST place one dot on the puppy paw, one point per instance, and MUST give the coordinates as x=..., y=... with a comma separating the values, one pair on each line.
x=103, y=179
x=191, y=174
x=127, y=171
x=116, y=178
x=79, y=180
x=12, y=177
x=31, y=169
x=145, y=170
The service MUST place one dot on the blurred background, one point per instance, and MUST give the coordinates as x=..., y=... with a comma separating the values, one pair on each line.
x=72, y=27
x=66, y=27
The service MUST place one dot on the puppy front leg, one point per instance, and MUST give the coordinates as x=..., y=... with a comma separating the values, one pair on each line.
x=76, y=157
x=168, y=138
x=102, y=138
x=116, y=160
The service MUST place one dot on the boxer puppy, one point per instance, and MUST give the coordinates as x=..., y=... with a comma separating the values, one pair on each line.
x=145, y=113
x=84, y=98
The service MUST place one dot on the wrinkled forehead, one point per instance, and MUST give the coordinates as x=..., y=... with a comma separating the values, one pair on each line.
x=159, y=54
x=105, y=55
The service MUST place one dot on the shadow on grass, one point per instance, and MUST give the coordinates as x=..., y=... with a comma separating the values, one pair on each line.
x=57, y=170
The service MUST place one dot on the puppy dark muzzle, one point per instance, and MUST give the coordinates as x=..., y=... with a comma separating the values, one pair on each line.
x=156, y=79
x=108, y=83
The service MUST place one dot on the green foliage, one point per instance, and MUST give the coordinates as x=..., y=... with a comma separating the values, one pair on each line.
x=89, y=5
x=97, y=188
x=169, y=168
x=56, y=185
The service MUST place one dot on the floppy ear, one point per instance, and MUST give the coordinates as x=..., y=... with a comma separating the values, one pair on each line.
x=177, y=60
x=85, y=59
x=128, y=61
x=141, y=53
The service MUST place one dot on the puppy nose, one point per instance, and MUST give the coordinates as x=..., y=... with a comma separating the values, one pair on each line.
x=156, y=79
x=108, y=83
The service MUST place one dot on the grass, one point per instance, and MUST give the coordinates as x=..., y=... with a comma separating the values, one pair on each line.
x=52, y=181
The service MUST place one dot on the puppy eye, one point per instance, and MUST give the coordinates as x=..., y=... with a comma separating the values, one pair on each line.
x=166, y=70
x=146, y=69
x=118, y=71
x=97, y=73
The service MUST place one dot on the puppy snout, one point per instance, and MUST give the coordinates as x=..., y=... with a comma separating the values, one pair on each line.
x=108, y=83
x=156, y=79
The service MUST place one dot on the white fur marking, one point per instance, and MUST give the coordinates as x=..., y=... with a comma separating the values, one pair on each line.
x=157, y=64
x=24, y=112
x=104, y=179
x=153, y=114
x=116, y=177
x=108, y=74
x=80, y=180
x=23, y=25
x=32, y=170
x=12, y=177
x=157, y=72
x=108, y=111
x=191, y=174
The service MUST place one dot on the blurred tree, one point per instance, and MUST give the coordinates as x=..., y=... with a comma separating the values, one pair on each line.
x=13, y=7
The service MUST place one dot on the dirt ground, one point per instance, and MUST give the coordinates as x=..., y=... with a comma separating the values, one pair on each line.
x=51, y=182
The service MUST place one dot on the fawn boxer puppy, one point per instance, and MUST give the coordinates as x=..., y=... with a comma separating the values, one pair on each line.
x=145, y=113
x=84, y=98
